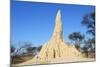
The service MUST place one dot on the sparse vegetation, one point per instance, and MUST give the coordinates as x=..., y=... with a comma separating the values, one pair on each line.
x=23, y=53
x=88, y=49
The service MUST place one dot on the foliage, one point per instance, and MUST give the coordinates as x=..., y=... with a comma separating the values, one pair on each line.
x=12, y=49
x=39, y=48
x=89, y=44
x=25, y=51
x=89, y=22
x=77, y=37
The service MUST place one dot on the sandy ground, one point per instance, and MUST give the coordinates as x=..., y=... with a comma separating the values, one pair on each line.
x=55, y=61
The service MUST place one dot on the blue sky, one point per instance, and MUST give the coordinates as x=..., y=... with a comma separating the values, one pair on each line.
x=34, y=22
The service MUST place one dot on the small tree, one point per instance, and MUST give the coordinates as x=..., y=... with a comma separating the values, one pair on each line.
x=12, y=49
x=77, y=37
x=89, y=22
x=39, y=48
x=88, y=48
x=85, y=51
x=31, y=50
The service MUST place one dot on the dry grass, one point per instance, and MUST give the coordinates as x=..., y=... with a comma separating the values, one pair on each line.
x=20, y=59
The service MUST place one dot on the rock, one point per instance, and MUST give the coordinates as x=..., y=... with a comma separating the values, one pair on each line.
x=56, y=47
